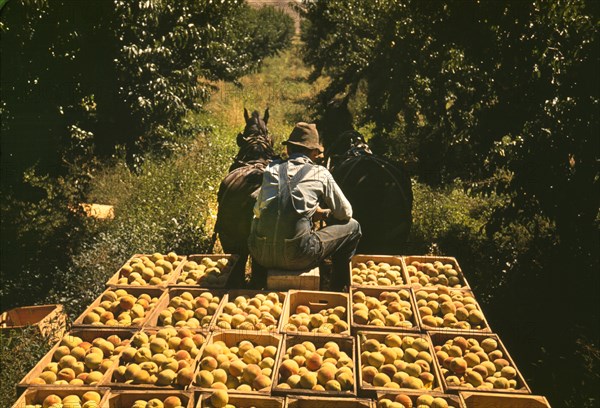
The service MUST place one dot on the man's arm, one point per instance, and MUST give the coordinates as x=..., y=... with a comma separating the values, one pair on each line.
x=336, y=200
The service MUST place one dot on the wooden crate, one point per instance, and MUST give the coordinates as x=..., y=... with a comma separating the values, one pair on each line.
x=390, y=259
x=36, y=395
x=486, y=400
x=426, y=327
x=135, y=291
x=248, y=293
x=232, y=338
x=85, y=335
x=152, y=321
x=439, y=338
x=50, y=320
x=346, y=344
x=366, y=389
x=316, y=301
x=232, y=260
x=125, y=399
x=304, y=279
x=110, y=378
x=375, y=292
x=454, y=401
x=407, y=260
x=299, y=401
x=244, y=401
x=113, y=281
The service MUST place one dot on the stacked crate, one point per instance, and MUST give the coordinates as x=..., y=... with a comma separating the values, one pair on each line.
x=175, y=334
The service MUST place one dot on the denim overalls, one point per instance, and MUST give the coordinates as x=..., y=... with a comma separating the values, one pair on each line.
x=282, y=238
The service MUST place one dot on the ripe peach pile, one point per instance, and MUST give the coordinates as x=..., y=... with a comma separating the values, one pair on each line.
x=390, y=308
x=120, y=308
x=449, y=308
x=433, y=274
x=153, y=270
x=325, y=321
x=207, y=273
x=186, y=310
x=164, y=358
x=381, y=274
x=409, y=401
x=78, y=362
x=397, y=362
x=326, y=368
x=467, y=362
x=259, y=312
x=172, y=401
x=243, y=367
x=89, y=399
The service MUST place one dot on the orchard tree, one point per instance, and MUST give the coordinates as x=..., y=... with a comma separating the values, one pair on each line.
x=473, y=90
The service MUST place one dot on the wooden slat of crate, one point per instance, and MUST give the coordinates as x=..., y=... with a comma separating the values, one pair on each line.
x=152, y=321
x=407, y=260
x=426, y=327
x=50, y=319
x=375, y=292
x=487, y=400
x=346, y=344
x=126, y=398
x=454, y=401
x=244, y=401
x=133, y=290
x=299, y=401
x=33, y=396
x=86, y=335
x=232, y=261
x=303, y=279
x=316, y=301
x=389, y=259
x=109, y=381
x=248, y=293
x=367, y=389
x=232, y=338
x=113, y=281
x=439, y=338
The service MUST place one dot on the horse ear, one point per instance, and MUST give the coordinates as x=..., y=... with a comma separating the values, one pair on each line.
x=246, y=116
x=266, y=116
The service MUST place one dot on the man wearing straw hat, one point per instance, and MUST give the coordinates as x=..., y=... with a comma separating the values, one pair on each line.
x=294, y=194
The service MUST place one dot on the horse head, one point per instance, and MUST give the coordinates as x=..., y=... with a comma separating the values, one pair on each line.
x=347, y=144
x=255, y=142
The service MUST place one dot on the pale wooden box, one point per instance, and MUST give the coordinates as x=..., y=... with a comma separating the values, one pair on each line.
x=36, y=395
x=487, y=400
x=306, y=279
x=121, y=399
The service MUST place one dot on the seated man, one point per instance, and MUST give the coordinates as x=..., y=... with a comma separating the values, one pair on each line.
x=294, y=193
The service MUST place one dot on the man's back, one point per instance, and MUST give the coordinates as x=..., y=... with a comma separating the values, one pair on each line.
x=293, y=193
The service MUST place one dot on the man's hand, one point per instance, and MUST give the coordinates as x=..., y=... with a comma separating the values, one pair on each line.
x=321, y=214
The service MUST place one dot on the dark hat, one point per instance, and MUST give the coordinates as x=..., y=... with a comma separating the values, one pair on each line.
x=305, y=135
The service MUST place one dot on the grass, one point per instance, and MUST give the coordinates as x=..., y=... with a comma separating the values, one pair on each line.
x=282, y=85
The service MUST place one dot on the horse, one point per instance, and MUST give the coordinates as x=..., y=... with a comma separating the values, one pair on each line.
x=379, y=190
x=239, y=189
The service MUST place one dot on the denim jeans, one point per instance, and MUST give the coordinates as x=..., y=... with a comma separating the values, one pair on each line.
x=340, y=241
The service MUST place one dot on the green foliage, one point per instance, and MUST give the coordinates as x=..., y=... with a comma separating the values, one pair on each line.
x=252, y=35
x=512, y=87
x=19, y=352
x=122, y=72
